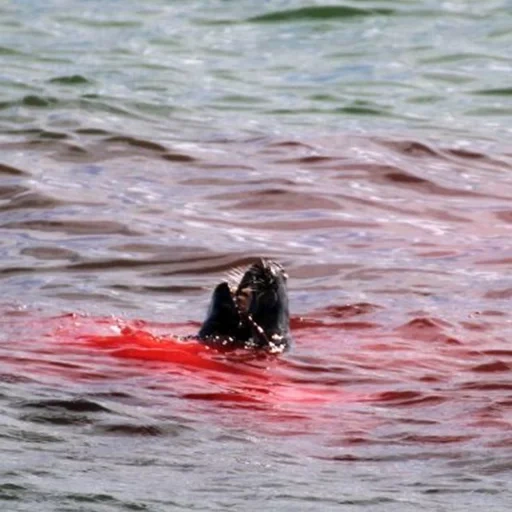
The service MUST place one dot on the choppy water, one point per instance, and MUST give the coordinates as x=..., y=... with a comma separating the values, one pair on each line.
x=148, y=147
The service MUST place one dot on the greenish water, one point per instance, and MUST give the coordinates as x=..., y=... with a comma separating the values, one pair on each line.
x=228, y=69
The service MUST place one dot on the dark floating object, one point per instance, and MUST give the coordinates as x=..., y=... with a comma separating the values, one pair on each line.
x=249, y=310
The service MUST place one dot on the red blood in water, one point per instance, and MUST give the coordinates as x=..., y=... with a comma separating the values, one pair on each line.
x=82, y=348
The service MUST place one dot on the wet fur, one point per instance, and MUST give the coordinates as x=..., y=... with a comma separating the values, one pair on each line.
x=249, y=310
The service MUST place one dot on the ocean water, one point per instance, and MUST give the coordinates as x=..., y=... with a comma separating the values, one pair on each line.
x=147, y=148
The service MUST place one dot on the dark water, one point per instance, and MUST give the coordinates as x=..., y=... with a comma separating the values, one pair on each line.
x=148, y=147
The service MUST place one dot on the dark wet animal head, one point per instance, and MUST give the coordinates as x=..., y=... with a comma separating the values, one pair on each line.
x=250, y=310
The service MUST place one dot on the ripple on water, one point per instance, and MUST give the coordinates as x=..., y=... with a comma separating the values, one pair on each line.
x=360, y=146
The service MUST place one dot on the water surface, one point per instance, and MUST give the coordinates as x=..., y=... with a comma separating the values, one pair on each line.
x=147, y=148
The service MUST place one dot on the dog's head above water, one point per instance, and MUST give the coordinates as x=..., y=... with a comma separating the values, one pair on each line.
x=250, y=310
